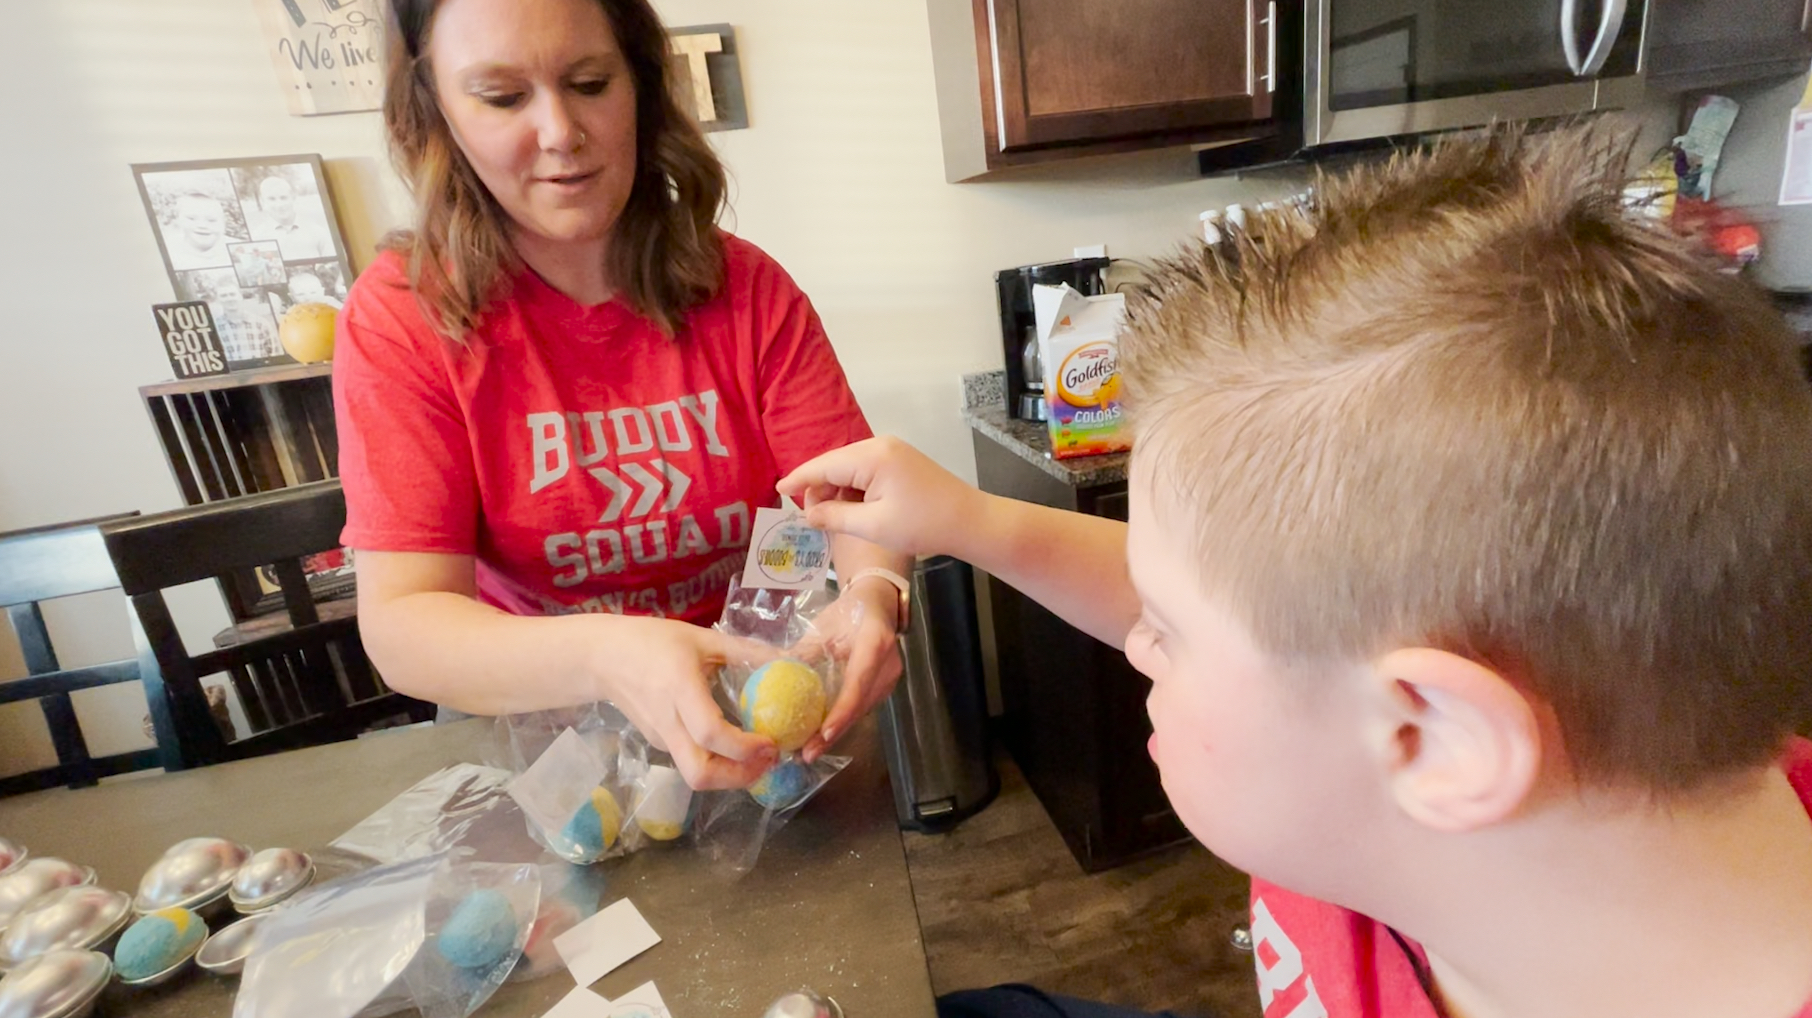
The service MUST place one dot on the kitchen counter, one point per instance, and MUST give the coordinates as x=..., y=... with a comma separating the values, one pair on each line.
x=985, y=411
x=1072, y=707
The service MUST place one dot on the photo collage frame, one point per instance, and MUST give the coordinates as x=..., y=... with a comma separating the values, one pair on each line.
x=251, y=237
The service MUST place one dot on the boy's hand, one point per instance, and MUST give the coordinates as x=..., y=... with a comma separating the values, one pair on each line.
x=887, y=493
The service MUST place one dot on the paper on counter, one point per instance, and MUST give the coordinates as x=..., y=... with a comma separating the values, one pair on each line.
x=581, y=1003
x=1796, y=176
x=597, y=946
x=642, y=1002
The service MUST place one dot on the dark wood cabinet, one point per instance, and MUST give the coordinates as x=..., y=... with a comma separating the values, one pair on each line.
x=1028, y=81
x=1699, y=44
x=1072, y=708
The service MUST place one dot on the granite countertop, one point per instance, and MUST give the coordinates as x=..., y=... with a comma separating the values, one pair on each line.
x=985, y=411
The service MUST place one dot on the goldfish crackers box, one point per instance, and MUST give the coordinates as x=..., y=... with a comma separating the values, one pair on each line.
x=1079, y=338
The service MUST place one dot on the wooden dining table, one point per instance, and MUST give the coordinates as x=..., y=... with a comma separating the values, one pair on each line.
x=827, y=906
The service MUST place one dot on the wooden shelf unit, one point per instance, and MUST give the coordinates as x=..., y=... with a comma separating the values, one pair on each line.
x=245, y=432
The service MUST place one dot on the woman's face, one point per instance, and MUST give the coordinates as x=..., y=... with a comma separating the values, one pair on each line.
x=542, y=103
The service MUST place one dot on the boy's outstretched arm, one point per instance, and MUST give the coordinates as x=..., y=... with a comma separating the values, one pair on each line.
x=886, y=492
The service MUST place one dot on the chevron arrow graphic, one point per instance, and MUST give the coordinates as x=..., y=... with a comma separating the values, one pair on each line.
x=677, y=485
x=652, y=487
x=652, y=483
x=619, y=494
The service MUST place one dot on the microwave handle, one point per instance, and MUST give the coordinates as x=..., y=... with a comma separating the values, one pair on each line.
x=1610, y=23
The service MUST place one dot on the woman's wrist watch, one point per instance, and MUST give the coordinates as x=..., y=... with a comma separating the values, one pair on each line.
x=903, y=621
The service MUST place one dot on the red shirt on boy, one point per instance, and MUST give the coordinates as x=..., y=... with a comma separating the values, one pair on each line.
x=587, y=461
x=1317, y=960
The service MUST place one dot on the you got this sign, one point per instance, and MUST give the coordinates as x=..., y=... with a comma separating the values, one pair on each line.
x=189, y=339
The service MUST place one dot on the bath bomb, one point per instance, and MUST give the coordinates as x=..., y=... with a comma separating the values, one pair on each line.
x=784, y=700
x=783, y=785
x=158, y=942
x=663, y=805
x=481, y=932
x=595, y=825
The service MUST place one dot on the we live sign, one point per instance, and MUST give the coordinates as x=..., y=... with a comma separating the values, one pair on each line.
x=326, y=53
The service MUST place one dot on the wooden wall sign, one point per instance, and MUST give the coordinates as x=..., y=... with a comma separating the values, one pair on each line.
x=326, y=52
x=707, y=75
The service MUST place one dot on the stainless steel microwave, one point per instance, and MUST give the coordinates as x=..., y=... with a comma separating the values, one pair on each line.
x=1375, y=68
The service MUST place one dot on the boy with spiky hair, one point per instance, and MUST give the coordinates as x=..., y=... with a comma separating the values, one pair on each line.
x=1470, y=557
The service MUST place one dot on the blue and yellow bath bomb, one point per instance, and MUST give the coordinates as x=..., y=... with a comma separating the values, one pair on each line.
x=595, y=825
x=480, y=933
x=158, y=942
x=783, y=785
x=660, y=830
x=784, y=700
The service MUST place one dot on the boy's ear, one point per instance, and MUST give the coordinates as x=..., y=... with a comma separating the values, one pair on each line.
x=1463, y=748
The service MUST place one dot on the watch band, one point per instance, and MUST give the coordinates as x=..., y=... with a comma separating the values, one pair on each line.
x=904, y=621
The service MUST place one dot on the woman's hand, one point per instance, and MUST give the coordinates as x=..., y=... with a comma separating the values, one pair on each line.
x=887, y=493
x=858, y=630
x=659, y=673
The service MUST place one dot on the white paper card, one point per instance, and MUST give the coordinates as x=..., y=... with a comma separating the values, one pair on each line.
x=785, y=553
x=581, y=1003
x=559, y=781
x=595, y=947
x=1796, y=178
x=664, y=798
x=642, y=1002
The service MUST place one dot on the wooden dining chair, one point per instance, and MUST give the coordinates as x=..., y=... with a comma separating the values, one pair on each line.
x=40, y=565
x=305, y=683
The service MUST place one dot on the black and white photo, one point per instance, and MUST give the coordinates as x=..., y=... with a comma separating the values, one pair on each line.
x=251, y=237
x=258, y=262
x=243, y=319
x=197, y=215
x=283, y=204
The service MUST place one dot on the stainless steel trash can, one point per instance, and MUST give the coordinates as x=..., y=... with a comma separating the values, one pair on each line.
x=934, y=727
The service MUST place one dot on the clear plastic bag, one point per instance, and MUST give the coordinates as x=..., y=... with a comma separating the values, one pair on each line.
x=336, y=949
x=786, y=697
x=576, y=772
x=593, y=789
x=662, y=804
x=438, y=813
x=569, y=896
x=477, y=918
x=375, y=943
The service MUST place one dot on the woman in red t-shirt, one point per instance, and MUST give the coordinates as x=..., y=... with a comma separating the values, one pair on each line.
x=562, y=396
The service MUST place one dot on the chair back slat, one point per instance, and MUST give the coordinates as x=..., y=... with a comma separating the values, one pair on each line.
x=309, y=682
x=42, y=564
x=57, y=561
x=69, y=680
x=201, y=542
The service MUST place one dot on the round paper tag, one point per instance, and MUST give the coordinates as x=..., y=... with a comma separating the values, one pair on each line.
x=791, y=552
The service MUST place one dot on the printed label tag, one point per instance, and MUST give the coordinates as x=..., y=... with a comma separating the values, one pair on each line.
x=785, y=553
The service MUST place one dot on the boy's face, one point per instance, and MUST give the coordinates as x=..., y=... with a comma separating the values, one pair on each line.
x=1264, y=765
x=304, y=288
x=201, y=221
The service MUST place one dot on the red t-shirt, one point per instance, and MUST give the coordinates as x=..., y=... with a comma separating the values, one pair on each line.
x=587, y=461
x=1317, y=960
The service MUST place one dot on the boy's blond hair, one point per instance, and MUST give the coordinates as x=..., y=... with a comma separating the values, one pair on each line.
x=1468, y=400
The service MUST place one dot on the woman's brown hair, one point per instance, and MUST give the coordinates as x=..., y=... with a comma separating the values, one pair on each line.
x=665, y=254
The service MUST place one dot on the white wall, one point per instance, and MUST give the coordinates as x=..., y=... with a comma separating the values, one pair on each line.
x=839, y=176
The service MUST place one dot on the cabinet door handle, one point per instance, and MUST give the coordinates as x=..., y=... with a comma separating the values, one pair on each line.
x=1271, y=47
x=1609, y=24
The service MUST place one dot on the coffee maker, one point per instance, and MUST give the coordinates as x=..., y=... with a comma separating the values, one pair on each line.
x=1019, y=326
